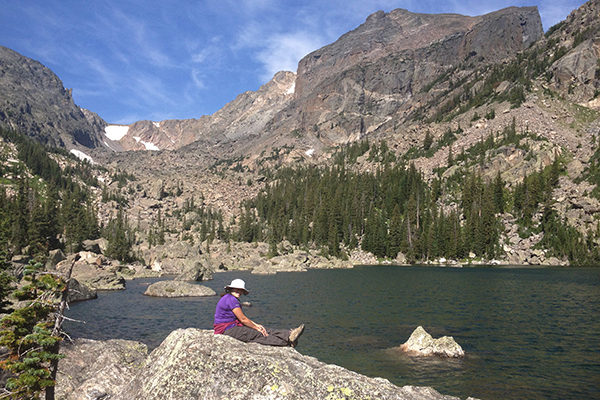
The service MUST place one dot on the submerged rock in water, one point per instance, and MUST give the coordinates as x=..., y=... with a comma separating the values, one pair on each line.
x=422, y=343
x=178, y=289
x=197, y=364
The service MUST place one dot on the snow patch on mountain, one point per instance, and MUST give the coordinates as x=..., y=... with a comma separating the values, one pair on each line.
x=148, y=145
x=292, y=89
x=82, y=156
x=116, y=132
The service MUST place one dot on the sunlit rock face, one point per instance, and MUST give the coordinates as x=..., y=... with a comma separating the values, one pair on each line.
x=377, y=72
x=34, y=101
x=422, y=343
x=197, y=364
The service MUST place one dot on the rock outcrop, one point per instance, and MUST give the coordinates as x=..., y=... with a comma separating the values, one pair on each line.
x=422, y=343
x=196, y=364
x=96, y=369
x=247, y=115
x=94, y=271
x=177, y=257
x=80, y=292
x=34, y=101
x=178, y=289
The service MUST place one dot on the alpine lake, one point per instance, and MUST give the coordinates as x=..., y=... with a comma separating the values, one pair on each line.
x=528, y=333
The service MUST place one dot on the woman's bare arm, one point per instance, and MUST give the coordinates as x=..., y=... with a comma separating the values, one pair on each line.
x=248, y=322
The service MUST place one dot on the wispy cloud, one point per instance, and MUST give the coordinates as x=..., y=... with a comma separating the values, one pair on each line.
x=132, y=36
x=283, y=51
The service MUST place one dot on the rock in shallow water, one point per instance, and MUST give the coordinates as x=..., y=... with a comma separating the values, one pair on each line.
x=422, y=343
x=178, y=289
x=196, y=364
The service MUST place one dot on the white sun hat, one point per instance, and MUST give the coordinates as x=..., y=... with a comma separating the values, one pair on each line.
x=238, y=284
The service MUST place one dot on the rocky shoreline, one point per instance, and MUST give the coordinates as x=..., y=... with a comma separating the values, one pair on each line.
x=186, y=263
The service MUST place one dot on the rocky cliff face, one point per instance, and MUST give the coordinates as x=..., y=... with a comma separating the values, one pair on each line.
x=245, y=117
x=372, y=78
x=34, y=101
x=576, y=74
x=401, y=52
x=369, y=80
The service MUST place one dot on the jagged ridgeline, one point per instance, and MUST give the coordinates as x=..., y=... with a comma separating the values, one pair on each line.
x=392, y=209
x=43, y=206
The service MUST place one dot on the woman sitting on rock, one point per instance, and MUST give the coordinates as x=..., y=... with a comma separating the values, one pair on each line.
x=230, y=320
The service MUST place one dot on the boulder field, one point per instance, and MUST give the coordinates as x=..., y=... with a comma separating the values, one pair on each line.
x=197, y=364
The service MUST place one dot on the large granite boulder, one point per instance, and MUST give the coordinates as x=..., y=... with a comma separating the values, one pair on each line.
x=98, y=246
x=196, y=270
x=197, y=364
x=54, y=257
x=422, y=343
x=178, y=289
x=93, y=271
x=177, y=257
x=80, y=292
x=94, y=369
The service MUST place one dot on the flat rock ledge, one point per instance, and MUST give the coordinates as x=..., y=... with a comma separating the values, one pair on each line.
x=178, y=289
x=422, y=343
x=197, y=364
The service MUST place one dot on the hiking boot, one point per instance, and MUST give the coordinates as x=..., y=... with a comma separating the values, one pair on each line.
x=295, y=334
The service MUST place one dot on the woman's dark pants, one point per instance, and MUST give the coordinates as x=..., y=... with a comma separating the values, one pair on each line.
x=277, y=337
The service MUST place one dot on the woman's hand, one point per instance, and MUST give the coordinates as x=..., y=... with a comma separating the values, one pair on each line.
x=261, y=329
x=239, y=314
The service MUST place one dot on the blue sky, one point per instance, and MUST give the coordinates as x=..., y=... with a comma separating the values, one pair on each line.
x=131, y=60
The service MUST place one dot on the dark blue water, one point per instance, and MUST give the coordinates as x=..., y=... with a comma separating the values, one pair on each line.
x=529, y=333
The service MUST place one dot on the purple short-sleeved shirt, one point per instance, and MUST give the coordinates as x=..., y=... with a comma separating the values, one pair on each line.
x=225, y=306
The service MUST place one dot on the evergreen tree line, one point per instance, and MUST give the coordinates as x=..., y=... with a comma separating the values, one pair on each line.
x=211, y=221
x=41, y=206
x=34, y=218
x=386, y=212
x=394, y=210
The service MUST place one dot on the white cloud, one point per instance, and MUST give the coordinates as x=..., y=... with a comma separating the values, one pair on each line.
x=283, y=51
x=274, y=50
x=198, y=78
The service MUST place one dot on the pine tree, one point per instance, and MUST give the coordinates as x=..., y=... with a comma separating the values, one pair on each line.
x=120, y=238
x=20, y=217
x=27, y=333
x=499, y=193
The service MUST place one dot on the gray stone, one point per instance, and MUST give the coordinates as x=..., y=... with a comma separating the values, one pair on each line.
x=97, y=246
x=94, y=368
x=54, y=257
x=21, y=259
x=157, y=191
x=80, y=292
x=92, y=274
x=195, y=271
x=422, y=343
x=264, y=269
x=197, y=364
x=175, y=257
x=401, y=259
x=106, y=281
x=178, y=289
